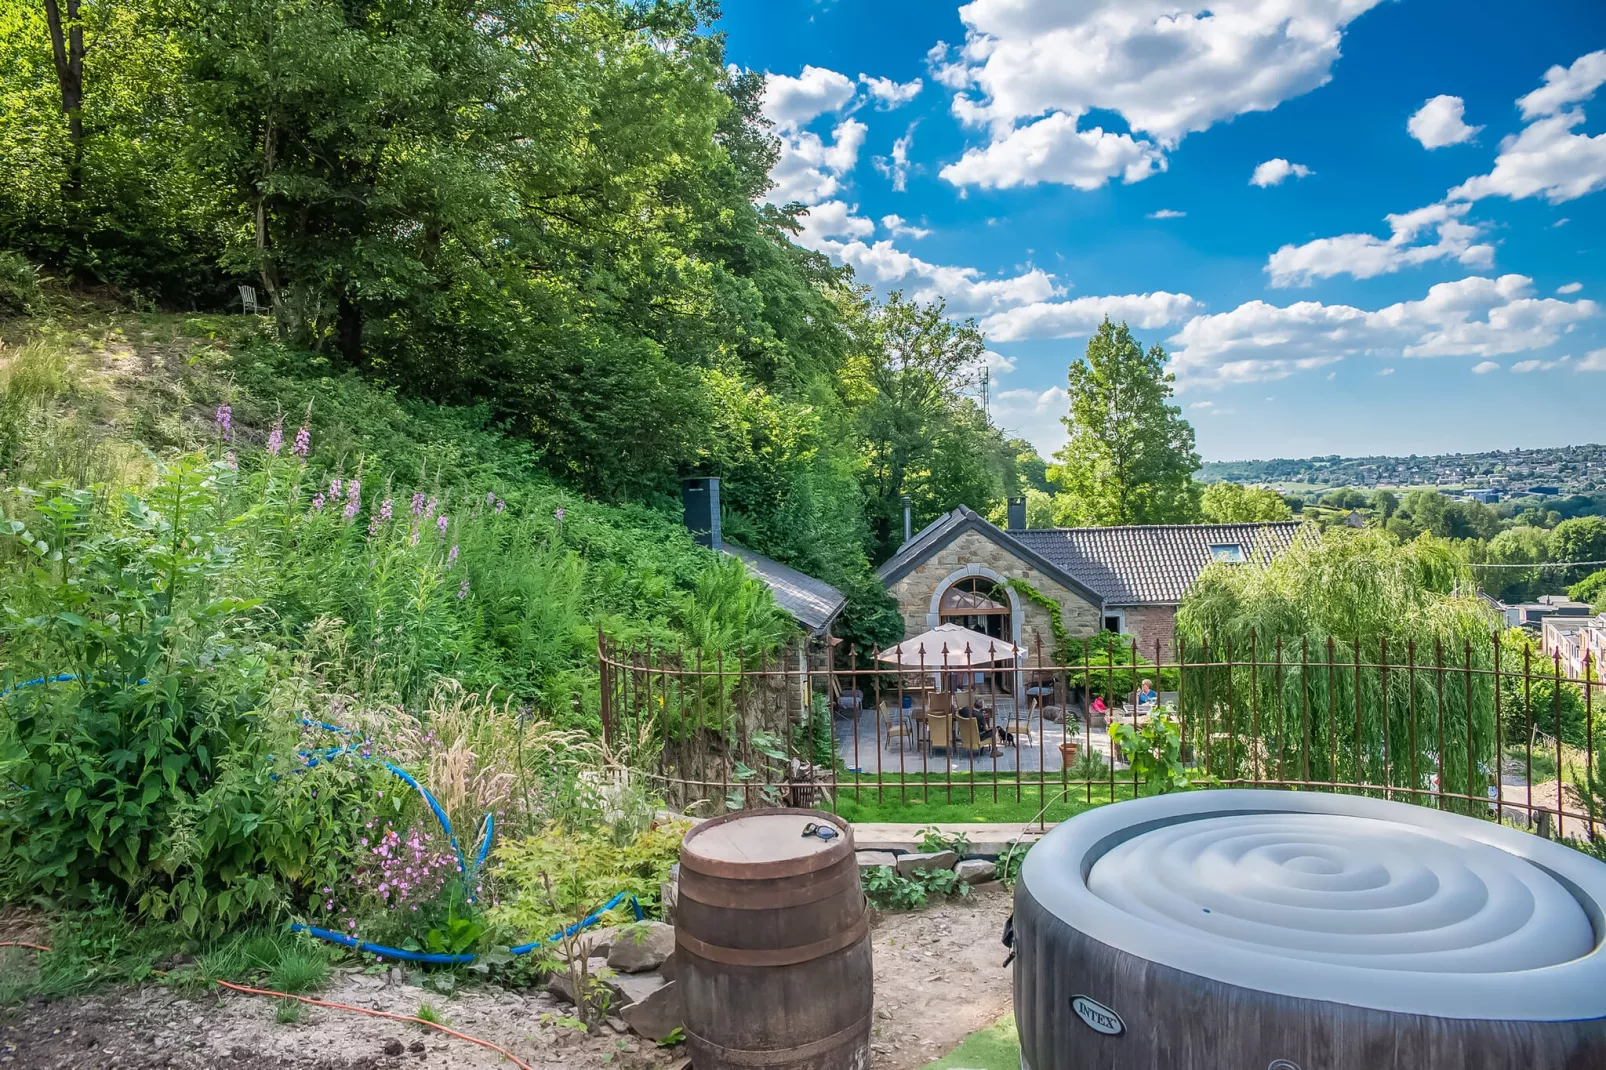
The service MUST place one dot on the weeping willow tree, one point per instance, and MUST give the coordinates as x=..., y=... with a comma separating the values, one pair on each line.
x=1351, y=659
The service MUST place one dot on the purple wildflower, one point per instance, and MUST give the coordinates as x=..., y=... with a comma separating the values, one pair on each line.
x=352, y=505
x=418, y=504
x=276, y=437
x=303, y=443
x=440, y=524
x=334, y=487
x=451, y=559
x=500, y=505
x=353, y=489
x=225, y=421
x=557, y=514
x=490, y=499
x=232, y=461
x=429, y=510
x=412, y=540
x=462, y=590
x=384, y=511
x=317, y=503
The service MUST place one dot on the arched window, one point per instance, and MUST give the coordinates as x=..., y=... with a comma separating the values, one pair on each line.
x=977, y=603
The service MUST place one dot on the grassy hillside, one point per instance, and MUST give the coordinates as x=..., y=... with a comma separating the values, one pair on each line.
x=93, y=398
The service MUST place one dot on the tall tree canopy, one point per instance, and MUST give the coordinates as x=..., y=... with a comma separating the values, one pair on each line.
x=1234, y=503
x=1130, y=458
x=551, y=209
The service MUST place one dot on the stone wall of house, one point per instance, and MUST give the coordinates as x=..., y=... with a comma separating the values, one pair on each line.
x=913, y=592
x=1151, y=624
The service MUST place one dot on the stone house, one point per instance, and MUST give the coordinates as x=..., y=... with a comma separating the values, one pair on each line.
x=1120, y=579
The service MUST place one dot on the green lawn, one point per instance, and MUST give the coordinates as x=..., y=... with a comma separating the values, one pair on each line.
x=927, y=803
x=995, y=1048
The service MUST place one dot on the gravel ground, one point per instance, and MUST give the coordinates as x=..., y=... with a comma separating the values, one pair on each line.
x=937, y=978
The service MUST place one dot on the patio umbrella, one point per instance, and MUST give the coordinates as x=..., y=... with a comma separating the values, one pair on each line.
x=926, y=649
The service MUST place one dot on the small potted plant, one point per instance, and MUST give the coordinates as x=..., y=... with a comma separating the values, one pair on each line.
x=1068, y=752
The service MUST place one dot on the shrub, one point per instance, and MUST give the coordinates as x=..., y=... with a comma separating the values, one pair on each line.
x=584, y=869
x=19, y=285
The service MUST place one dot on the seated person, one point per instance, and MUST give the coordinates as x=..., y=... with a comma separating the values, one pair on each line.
x=1147, y=695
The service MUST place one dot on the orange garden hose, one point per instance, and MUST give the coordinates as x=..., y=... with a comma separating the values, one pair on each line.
x=23, y=943
x=382, y=1014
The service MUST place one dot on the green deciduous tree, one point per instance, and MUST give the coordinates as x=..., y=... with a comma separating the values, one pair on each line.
x=1234, y=503
x=920, y=434
x=1130, y=458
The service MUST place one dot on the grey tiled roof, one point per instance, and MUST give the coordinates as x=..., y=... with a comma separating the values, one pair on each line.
x=937, y=534
x=812, y=603
x=1151, y=564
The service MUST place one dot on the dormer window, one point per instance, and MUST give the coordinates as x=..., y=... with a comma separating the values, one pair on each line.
x=1229, y=553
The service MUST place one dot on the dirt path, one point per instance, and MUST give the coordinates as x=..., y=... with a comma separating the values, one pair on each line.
x=937, y=978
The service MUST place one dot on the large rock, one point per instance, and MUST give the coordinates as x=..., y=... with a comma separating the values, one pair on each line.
x=975, y=870
x=632, y=988
x=656, y=1016
x=873, y=859
x=910, y=864
x=641, y=947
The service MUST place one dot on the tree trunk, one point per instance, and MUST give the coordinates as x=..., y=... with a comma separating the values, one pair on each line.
x=67, y=48
x=348, y=330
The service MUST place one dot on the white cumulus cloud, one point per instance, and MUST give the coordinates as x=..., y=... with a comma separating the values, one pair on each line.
x=1525, y=367
x=1082, y=315
x=1570, y=288
x=896, y=165
x=1054, y=150
x=1547, y=158
x=791, y=102
x=1364, y=256
x=1275, y=170
x=1166, y=69
x=1484, y=367
x=1566, y=85
x=833, y=219
x=900, y=227
x=1166, y=213
x=1475, y=316
x=1594, y=361
x=809, y=170
x=1440, y=122
x=966, y=289
x=888, y=93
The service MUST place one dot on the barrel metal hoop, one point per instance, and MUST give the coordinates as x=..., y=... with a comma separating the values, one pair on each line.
x=776, y=956
x=753, y=871
x=772, y=1056
x=729, y=895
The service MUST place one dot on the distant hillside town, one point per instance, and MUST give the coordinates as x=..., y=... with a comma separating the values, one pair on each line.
x=1492, y=475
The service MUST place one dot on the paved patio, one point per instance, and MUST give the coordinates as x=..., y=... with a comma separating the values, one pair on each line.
x=868, y=752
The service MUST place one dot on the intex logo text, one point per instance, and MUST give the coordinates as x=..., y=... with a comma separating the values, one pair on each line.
x=1098, y=1017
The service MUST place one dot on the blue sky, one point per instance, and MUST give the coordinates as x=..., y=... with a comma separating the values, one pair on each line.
x=1360, y=226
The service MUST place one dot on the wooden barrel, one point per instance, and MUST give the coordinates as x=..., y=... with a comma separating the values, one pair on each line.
x=772, y=945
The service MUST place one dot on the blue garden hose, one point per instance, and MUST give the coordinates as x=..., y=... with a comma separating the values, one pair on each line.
x=484, y=847
x=436, y=959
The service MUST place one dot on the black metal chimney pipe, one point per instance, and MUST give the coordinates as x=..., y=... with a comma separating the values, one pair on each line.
x=700, y=499
x=1017, y=514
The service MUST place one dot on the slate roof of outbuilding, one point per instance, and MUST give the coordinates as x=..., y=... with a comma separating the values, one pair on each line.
x=1152, y=564
x=812, y=603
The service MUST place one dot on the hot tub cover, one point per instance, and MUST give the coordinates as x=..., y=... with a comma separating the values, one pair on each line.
x=1341, y=898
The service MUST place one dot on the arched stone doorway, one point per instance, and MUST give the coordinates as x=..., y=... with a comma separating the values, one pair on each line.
x=976, y=597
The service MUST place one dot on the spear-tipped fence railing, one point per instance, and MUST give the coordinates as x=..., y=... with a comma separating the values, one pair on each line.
x=1460, y=730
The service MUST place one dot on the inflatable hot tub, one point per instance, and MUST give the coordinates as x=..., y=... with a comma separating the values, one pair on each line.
x=1275, y=930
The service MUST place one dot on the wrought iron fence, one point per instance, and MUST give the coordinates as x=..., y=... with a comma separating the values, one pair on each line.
x=1461, y=729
